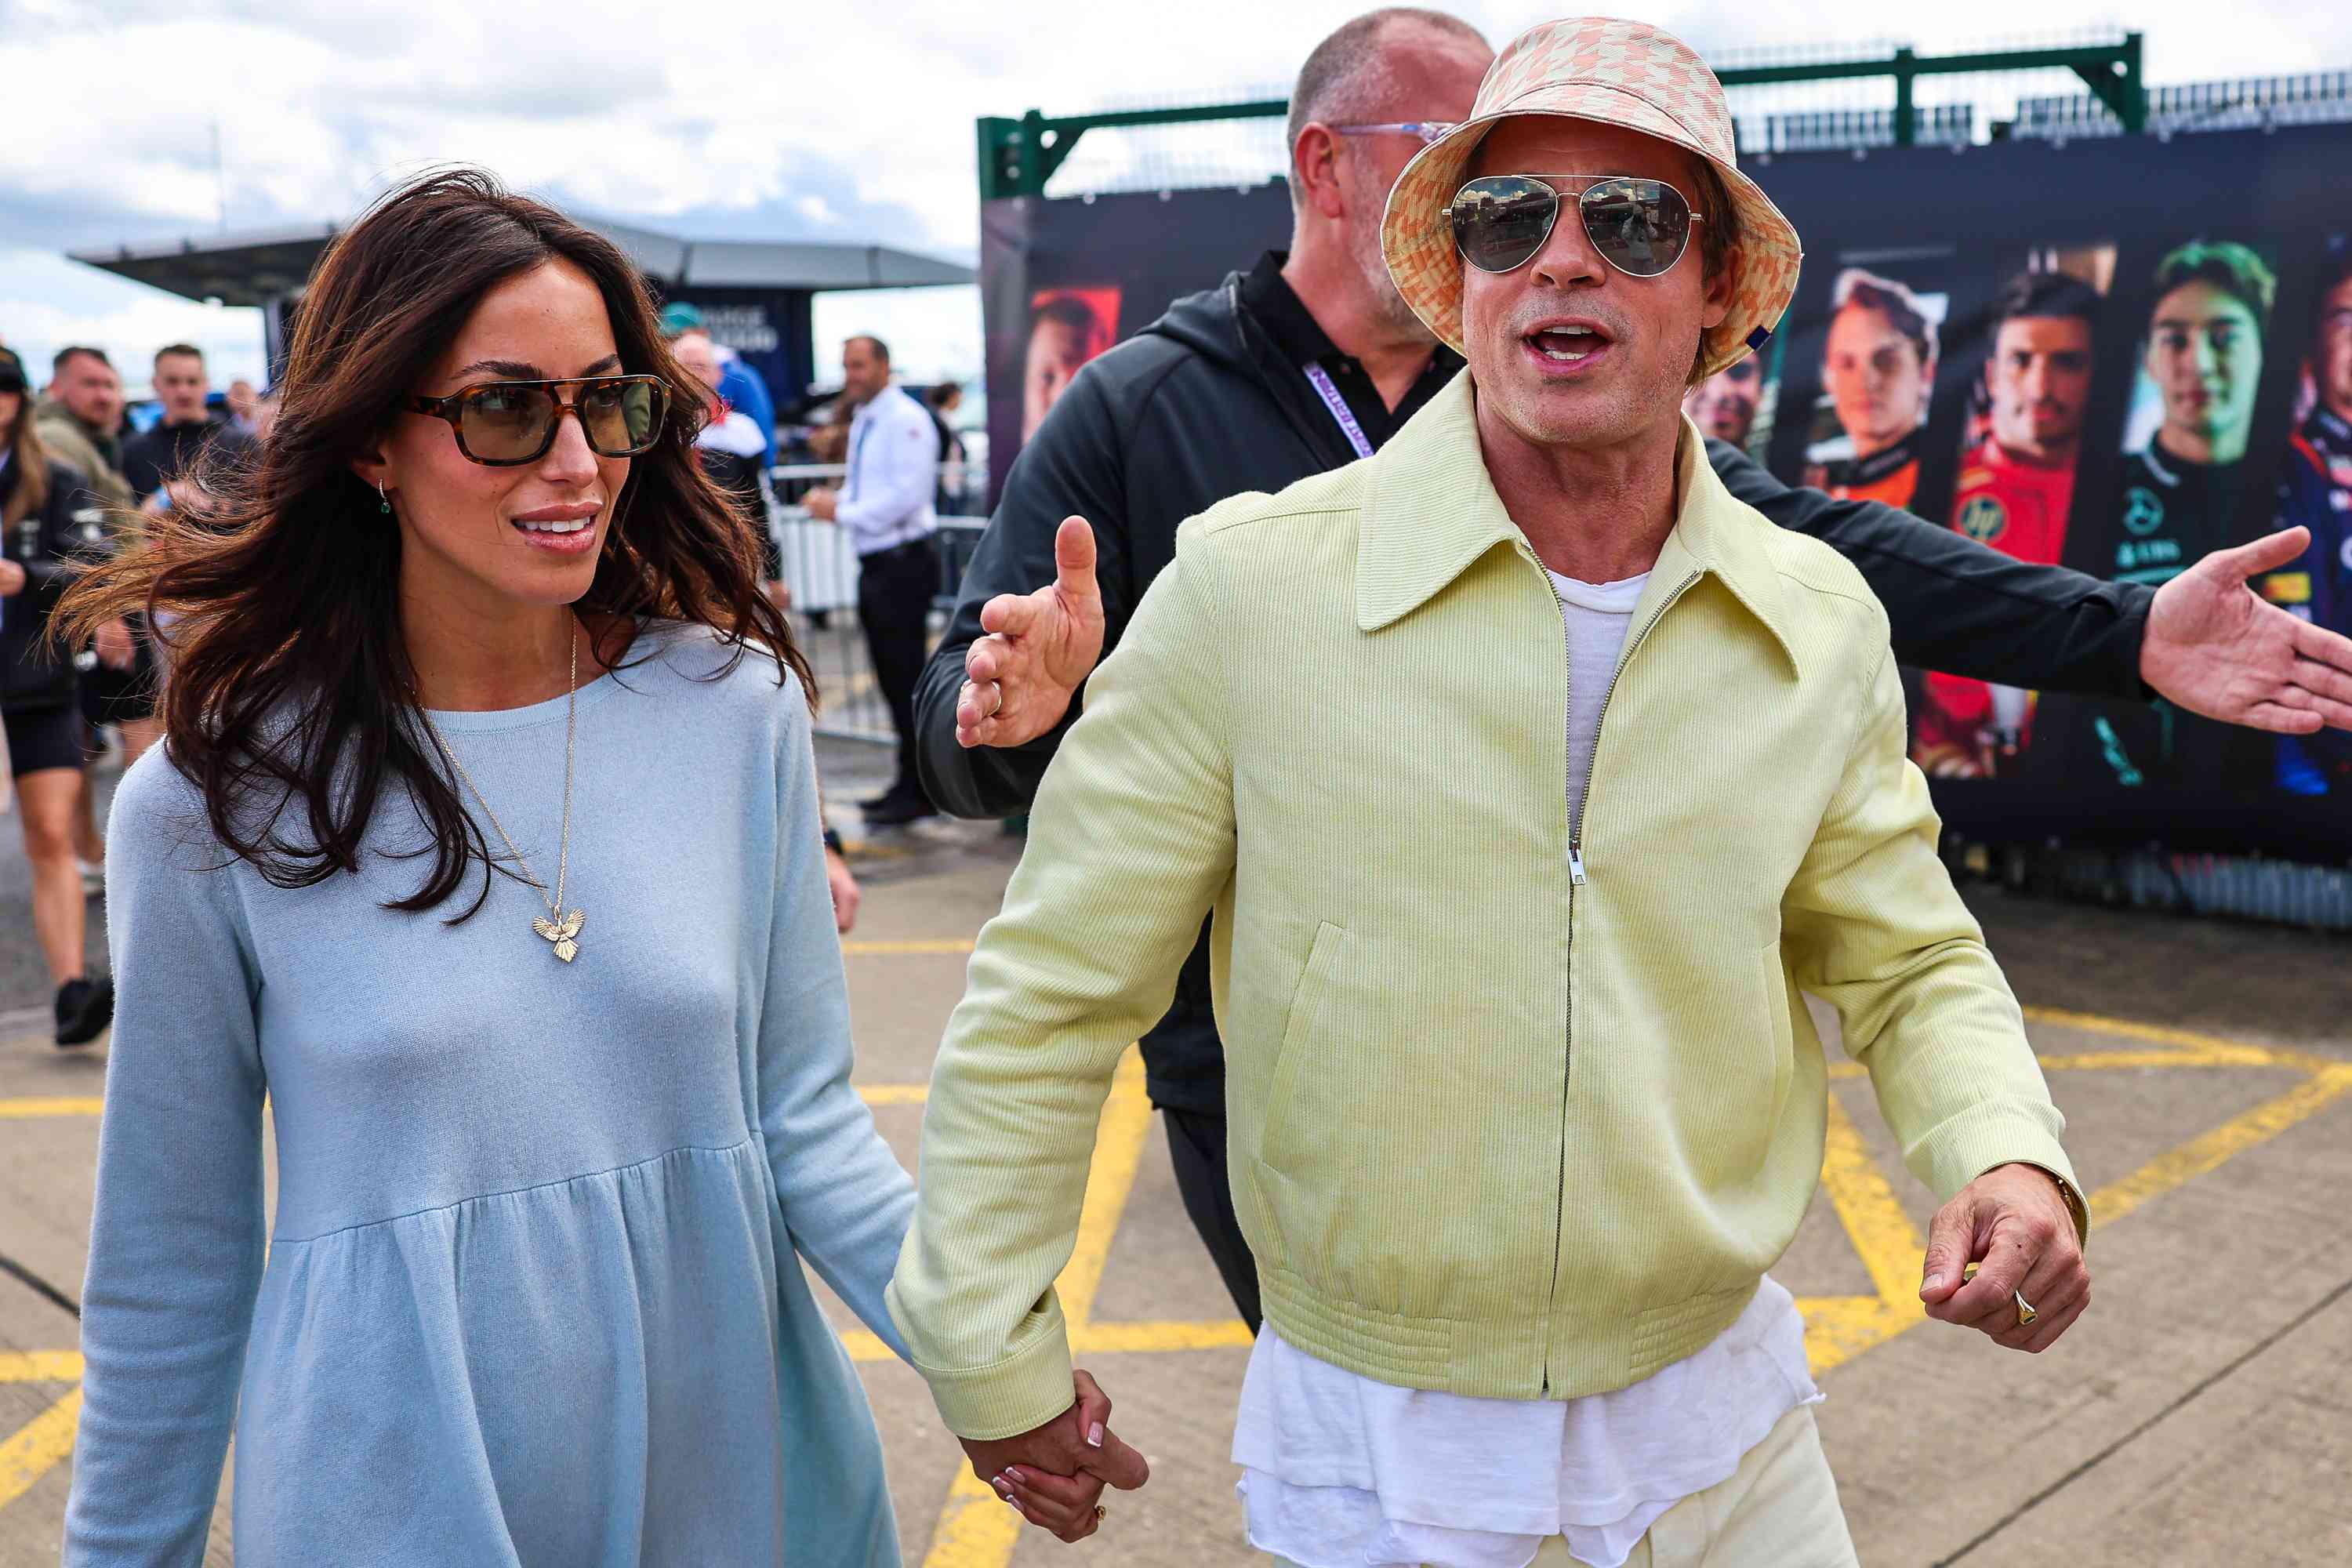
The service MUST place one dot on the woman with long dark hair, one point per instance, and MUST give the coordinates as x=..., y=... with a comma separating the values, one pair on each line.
x=43, y=509
x=484, y=842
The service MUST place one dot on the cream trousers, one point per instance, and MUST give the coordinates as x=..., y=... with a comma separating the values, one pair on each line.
x=1780, y=1508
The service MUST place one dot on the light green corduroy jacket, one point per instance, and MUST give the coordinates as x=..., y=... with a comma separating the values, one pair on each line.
x=1513, y=1114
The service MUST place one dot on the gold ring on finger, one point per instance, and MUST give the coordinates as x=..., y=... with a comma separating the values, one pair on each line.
x=2025, y=1312
x=1101, y=1514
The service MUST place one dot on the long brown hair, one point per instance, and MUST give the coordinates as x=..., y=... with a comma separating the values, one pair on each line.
x=290, y=699
x=27, y=457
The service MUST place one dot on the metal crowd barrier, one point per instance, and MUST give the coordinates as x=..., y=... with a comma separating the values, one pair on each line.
x=821, y=573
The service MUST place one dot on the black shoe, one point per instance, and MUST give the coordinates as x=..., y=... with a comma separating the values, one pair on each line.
x=85, y=1007
x=890, y=796
x=897, y=811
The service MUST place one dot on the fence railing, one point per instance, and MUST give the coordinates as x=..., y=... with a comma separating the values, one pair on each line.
x=820, y=572
x=2315, y=98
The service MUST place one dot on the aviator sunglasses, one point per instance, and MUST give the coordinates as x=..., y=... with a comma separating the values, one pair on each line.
x=502, y=424
x=1640, y=226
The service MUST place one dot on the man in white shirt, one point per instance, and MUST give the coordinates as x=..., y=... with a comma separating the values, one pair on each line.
x=885, y=504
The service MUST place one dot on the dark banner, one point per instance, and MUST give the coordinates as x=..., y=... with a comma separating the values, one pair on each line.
x=2117, y=355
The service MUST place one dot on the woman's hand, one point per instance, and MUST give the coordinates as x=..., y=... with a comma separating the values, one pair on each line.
x=11, y=578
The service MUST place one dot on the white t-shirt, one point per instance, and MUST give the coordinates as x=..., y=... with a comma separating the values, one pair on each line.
x=1340, y=1471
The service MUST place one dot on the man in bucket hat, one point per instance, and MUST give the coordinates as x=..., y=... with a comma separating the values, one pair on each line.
x=1528, y=777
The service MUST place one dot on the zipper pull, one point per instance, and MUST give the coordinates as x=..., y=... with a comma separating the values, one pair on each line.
x=1575, y=867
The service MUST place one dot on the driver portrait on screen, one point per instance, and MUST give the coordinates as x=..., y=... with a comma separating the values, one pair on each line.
x=1064, y=334
x=2316, y=493
x=1878, y=368
x=2180, y=494
x=2015, y=489
x=1724, y=406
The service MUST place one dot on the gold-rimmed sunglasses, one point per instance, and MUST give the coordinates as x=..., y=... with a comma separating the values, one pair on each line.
x=505, y=424
x=1641, y=227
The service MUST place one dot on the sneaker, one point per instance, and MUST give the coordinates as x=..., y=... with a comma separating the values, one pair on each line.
x=85, y=1007
x=93, y=876
x=897, y=811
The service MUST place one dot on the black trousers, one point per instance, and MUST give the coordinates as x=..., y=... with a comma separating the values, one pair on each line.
x=895, y=587
x=1196, y=1148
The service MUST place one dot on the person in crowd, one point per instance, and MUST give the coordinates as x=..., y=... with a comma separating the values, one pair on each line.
x=1724, y=406
x=162, y=464
x=1225, y=395
x=446, y=662
x=1063, y=336
x=885, y=504
x=2015, y=489
x=244, y=406
x=2315, y=495
x=1418, y=899
x=45, y=511
x=2181, y=494
x=1879, y=368
x=170, y=453
x=941, y=402
x=729, y=445
x=744, y=387
x=81, y=423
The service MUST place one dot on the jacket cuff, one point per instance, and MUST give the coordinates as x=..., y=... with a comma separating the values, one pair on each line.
x=1017, y=1394
x=1965, y=1146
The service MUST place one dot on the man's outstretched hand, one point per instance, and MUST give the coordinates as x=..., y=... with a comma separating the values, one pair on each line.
x=2214, y=647
x=1053, y=1474
x=1019, y=679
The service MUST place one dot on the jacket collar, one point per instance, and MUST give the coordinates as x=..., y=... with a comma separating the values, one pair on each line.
x=1430, y=511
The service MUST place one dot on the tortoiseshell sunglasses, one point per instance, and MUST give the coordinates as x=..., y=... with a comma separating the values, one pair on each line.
x=505, y=424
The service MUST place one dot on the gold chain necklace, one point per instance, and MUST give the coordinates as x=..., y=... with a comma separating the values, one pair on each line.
x=557, y=927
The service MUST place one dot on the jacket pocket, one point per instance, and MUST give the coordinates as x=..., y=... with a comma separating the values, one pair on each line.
x=1780, y=997
x=1285, y=1165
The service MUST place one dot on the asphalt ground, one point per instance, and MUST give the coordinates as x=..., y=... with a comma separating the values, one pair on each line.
x=2199, y=1412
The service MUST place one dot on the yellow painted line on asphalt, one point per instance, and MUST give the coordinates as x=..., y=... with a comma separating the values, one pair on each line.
x=1874, y=1218
x=29, y=1455
x=976, y=1530
x=51, y=1105
x=41, y=1366
x=1113, y=1339
x=2232, y=1138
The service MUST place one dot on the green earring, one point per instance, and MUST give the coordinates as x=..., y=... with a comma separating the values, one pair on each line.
x=384, y=502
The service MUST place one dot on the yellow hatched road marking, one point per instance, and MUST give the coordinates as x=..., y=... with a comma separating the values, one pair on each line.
x=2232, y=1138
x=28, y=1456
x=1837, y=1328
x=976, y=1529
x=41, y=1366
x=51, y=1105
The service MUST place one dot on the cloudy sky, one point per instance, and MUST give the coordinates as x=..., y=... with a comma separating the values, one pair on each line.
x=723, y=118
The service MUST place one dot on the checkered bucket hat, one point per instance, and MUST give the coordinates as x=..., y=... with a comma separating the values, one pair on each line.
x=1618, y=73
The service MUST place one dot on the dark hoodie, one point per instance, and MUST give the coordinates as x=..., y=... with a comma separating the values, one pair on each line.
x=1212, y=400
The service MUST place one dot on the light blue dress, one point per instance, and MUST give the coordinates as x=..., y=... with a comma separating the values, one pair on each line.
x=530, y=1296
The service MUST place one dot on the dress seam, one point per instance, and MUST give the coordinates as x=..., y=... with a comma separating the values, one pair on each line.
x=515, y=1192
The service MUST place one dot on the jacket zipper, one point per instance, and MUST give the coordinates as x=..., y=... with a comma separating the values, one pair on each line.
x=1576, y=880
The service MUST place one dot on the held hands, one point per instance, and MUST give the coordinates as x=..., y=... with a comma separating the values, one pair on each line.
x=1039, y=647
x=2215, y=647
x=824, y=503
x=2014, y=1219
x=1053, y=1474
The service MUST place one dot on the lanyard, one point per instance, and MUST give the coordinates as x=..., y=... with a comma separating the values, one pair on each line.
x=1321, y=380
